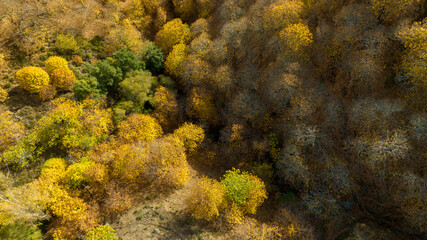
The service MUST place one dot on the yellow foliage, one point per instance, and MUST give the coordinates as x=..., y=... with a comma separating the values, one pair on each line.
x=130, y=163
x=167, y=158
x=172, y=33
x=166, y=110
x=55, y=62
x=174, y=60
x=200, y=105
x=296, y=37
x=53, y=170
x=32, y=78
x=207, y=199
x=75, y=174
x=205, y=7
x=139, y=127
x=201, y=45
x=191, y=135
x=62, y=205
x=281, y=14
x=233, y=214
x=10, y=131
x=62, y=78
x=3, y=95
x=184, y=8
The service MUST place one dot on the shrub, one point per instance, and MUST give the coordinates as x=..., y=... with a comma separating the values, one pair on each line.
x=47, y=92
x=55, y=62
x=32, y=78
x=3, y=95
x=77, y=60
x=10, y=131
x=62, y=78
x=172, y=33
x=207, y=199
x=127, y=61
x=139, y=127
x=65, y=43
x=86, y=87
x=191, y=135
x=103, y=232
x=153, y=57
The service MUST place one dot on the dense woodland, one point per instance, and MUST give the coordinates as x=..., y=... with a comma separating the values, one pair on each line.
x=273, y=119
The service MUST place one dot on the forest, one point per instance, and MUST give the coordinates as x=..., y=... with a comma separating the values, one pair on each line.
x=213, y=119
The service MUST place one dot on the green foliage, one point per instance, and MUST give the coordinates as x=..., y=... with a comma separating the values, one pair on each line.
x=65, y=44
x=107, y=75
x=127, y=61
x=20, y=232
x=237, y=186
x=75, y=174
x=103, y=232
x=32, y=78
x=153, y=57
x=139, y=87
x=86, y=87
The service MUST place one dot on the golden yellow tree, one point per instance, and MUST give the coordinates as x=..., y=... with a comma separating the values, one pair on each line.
x=172, y=33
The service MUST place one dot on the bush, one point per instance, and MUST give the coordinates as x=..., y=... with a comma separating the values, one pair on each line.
x=153, y=57
x=207, y=199
x=47, y=92
x=86, y=87
x=139, y=127
x=55, y=62
x=32, y=78
x=3, y=95
x=127, y=61
x=65, y=43
x=103, y=232
x=63, y=78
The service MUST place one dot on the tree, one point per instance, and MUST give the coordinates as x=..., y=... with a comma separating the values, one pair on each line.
x=296, y=37
x=184, y=8
x=201, y=45
x=62, y=78
x=280, y=14
x=153, y=57
x=32, y=79
x=166, y=109
x=86, y=87
x=172, y=33
x=139, y=87
x=244, y=193
x=191, y=135
x=200, y=105
x=139, y=127
x=107, y=75
x=124, y=35
x=390, y=10
x=127, y=61
x=207, y=199
x=174, y=60
x=55, y=62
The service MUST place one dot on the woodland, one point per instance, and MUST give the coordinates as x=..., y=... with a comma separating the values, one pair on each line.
x=213, y=119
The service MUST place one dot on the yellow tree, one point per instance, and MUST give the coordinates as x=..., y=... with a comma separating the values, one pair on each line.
x=174, y=60
x=297, y=37
x=200, y=105
x=207, y=199
x=191, y=135
x=32, y=79
x=139, y=127
x=166, y=109
x=172, y=33
x=281, y=14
